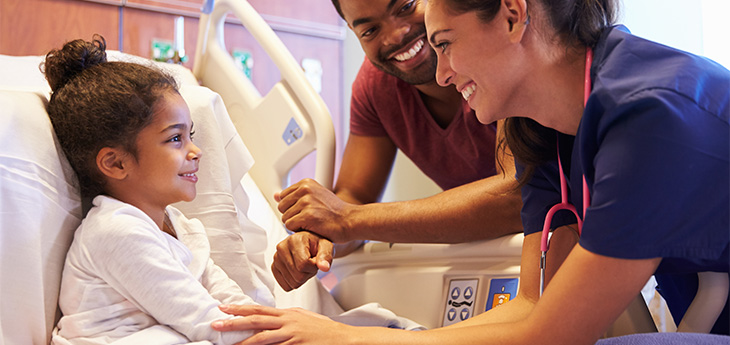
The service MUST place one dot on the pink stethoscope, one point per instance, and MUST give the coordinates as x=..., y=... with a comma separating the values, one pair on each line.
x=564, y=204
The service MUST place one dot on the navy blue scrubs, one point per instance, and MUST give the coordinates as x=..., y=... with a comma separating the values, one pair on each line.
x=654, y=146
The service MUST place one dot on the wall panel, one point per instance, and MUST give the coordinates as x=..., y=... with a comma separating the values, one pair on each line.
x=32, y=27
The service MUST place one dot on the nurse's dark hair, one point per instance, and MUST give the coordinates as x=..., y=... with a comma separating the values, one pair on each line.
x=95, y=104
x=577, y=23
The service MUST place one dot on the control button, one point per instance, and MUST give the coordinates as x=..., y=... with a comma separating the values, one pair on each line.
x=500, y=299
x=464, y=314
x=461, y=295
x=455, y=292
x=451, y=314
x=468, y=292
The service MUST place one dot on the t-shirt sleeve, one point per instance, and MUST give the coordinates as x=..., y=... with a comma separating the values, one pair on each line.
x=141, y=267
x=661, y=180
x=364, y=118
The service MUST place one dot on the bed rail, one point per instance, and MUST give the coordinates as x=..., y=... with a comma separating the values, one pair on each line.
x=284, y=125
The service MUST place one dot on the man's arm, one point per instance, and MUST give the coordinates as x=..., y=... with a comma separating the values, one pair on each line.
x=366, y=166
x=483, y=209
x=363, y=174
x=479, y=210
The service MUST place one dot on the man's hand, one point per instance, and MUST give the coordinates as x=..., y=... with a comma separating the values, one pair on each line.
x=299, y=257
x=307, y=205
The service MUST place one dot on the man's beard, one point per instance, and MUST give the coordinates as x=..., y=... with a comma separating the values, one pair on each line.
x=424, y=73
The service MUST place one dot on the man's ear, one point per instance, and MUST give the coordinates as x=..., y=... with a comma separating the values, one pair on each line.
x=112, y=163
x=517, y=18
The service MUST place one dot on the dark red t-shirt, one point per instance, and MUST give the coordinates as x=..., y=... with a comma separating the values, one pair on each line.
x=385, y=106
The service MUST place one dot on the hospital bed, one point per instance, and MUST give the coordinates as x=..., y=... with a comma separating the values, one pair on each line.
x=433, y=284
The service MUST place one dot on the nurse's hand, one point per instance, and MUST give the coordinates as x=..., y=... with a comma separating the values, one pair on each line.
x=276, y=326
x=307, y=205
x=299, y=257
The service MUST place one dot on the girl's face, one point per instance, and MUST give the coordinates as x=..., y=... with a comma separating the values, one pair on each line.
x=480, y=59
x=167, y=159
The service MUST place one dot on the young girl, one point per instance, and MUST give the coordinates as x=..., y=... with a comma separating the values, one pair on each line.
x=138, y=270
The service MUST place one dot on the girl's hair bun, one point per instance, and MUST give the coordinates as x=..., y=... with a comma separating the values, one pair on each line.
x=76, y=56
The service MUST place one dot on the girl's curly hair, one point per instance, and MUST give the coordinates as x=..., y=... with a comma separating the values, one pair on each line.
x=95, y=104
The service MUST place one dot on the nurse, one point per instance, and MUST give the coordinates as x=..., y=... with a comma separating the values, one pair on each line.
x=641, y=133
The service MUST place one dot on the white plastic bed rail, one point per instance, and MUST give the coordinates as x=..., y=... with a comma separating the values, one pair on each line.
x=284, y=125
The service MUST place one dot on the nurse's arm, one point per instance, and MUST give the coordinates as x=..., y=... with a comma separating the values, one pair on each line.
x=582, y=300
x=561, y=243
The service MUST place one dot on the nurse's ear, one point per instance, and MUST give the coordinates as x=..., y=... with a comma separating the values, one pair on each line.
x=517, y=17
x=113, y=163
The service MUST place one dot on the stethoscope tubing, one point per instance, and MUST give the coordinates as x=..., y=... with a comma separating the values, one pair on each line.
x=564, y=204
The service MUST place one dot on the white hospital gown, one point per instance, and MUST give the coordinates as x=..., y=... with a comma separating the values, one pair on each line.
x=125, y=280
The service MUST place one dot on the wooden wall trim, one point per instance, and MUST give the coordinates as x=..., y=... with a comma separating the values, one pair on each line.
x=302, y=27
x=277, y=23
x=108, y=2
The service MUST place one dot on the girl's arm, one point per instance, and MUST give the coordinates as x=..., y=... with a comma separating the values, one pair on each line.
x=221, y=287
x=137, y=262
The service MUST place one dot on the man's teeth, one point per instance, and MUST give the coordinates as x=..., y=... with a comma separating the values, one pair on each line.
x=411, y=53
x=466, y=93
x=188, y=175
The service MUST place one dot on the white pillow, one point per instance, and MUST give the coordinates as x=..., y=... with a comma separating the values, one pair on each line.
x=40, y=208
x=22, y=73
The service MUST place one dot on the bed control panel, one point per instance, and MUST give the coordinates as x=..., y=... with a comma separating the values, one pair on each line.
x=469, y=296
x=460, y=301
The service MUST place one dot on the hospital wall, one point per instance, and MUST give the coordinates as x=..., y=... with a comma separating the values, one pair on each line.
x=310, y=29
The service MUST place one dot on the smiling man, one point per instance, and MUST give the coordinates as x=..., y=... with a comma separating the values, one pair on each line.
x=397, y=105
